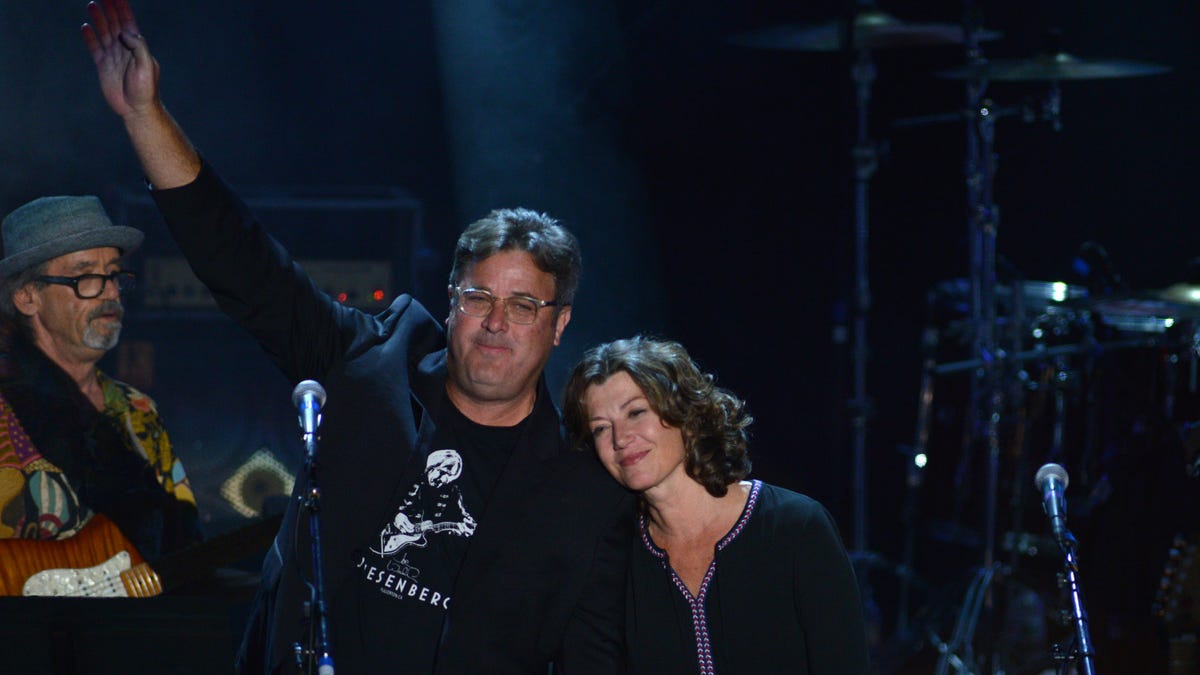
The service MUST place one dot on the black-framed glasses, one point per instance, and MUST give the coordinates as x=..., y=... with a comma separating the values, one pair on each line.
x=88, y=286
x=517, y=308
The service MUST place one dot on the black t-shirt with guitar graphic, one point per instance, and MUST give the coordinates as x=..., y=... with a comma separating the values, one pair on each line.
x=404, y=578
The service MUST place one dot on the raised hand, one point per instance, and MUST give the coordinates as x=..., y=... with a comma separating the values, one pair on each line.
x=127, y=71
x=129, y=80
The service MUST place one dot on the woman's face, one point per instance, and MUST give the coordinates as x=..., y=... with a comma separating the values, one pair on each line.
x=634, y=444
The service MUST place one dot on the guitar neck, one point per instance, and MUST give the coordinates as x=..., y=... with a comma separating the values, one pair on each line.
x=197, y=561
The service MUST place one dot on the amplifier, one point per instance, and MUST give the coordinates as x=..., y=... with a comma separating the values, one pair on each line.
x=226, y=407
x=362, y=245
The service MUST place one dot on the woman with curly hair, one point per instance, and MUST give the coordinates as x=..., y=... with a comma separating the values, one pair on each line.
x=726, y=575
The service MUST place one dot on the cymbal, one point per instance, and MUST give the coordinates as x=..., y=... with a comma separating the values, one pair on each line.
x=873, y=29
x=1052, y=67
x=1183, y=294
x=1155, y=311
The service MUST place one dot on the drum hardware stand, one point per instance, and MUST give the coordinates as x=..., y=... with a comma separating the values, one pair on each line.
x=959, y=652
x=917, y=459
x=866, y=160
x=994, y=361
x=1189, y=431
x=865, y=156
x=907, y=639
x=992, y=364
x=983, y=223
x=1085, y=348
x=1189, y=345
x=1194, y=362
x=987, y=395
x=1062, y=379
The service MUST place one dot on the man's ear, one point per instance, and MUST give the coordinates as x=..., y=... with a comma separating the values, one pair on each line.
x=560, y=323
x=26, y=301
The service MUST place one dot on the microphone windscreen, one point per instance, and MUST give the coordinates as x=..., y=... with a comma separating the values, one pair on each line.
x=1047, y=472
x=308, y=387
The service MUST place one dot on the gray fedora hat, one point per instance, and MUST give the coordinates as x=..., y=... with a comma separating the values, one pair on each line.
x=48, y=227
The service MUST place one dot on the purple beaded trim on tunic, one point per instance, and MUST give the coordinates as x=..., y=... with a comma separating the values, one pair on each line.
x=696, y=603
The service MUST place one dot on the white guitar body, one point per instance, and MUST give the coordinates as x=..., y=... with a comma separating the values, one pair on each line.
x=100, y=562
x=100, y=581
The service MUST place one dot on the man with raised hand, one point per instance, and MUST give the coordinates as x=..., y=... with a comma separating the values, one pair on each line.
x=526, y=569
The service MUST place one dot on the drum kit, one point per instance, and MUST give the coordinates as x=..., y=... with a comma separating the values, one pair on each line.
x=1049, y=367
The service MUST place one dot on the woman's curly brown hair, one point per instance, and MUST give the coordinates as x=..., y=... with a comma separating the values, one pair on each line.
x=713, y=420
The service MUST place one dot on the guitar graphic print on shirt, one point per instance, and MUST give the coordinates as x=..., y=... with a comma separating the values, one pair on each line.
x=448, y=512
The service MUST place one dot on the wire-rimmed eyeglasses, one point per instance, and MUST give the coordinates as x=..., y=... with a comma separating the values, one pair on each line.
x=88, y=286
x=517, y=308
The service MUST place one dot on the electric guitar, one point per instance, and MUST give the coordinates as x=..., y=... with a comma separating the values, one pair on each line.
x=414, y=534
x=100, y=561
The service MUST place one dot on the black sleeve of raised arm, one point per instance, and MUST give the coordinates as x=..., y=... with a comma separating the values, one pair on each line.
x=254, y=279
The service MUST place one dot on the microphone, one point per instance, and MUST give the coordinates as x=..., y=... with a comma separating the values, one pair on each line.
x=1051, y=480
x=308, y=397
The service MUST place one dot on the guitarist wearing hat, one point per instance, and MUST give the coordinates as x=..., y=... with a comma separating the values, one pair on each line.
x=75, y=442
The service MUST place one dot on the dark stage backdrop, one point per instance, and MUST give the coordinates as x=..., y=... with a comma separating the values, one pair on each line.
x=713, y=184
x=748, y=161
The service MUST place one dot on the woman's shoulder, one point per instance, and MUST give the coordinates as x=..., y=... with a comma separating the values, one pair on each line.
x=798, y=523
x=788, y=507
x=783, y=498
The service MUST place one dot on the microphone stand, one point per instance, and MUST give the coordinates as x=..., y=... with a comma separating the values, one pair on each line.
x=318, y=634
x=1081, y=650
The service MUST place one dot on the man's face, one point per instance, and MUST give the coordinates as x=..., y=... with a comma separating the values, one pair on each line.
x=65, y=326
x=491, y=359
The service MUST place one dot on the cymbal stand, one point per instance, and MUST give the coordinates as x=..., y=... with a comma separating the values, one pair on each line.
x=986, y=393
x=959, y=652
x=988, y=385
x=866, y=160
x=983, y=220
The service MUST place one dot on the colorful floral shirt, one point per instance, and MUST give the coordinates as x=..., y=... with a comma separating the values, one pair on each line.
x=36, y=499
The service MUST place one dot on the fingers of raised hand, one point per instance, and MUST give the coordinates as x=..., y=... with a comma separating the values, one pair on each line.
x=112, y=21
x=123, y=12
x=91, y=41
x=100, y=29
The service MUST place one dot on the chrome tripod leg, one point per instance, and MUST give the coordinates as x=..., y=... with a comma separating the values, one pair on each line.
x=959, y=651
